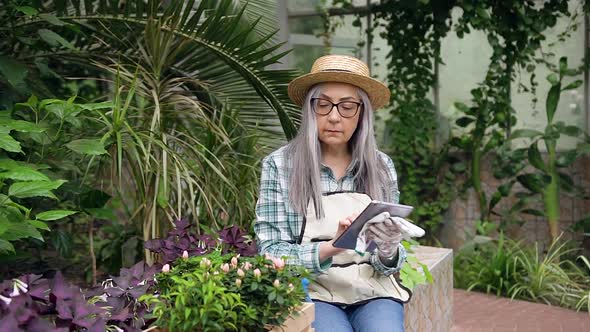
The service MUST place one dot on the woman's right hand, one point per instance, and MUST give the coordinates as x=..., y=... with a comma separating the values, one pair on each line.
x=327, y=249
x=344, y=224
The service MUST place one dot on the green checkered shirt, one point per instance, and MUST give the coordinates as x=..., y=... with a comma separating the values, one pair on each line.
x=278, y=225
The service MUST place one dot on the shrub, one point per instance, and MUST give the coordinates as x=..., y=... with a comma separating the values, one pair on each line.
x=217, y=292
x=508, y=268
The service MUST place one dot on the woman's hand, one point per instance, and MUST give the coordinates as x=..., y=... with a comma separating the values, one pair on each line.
x=327, y=249
x=387, y=237
x=343, y=225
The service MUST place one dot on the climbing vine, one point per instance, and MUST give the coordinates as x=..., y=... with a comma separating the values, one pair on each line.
x=413, y=30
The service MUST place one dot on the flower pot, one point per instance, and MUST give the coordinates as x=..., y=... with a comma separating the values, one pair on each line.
x=299, y=321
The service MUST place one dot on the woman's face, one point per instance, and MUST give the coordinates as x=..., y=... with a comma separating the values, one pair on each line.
x=334, y=129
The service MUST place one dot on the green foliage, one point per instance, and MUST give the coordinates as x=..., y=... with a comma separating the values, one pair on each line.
x=546, y=179
x=19, y=182
x=508, y=268
x=414, y=272
x=223, y=292
x=413, y=31
x=424, y=179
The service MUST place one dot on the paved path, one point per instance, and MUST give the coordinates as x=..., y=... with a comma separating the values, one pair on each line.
x=477, y=312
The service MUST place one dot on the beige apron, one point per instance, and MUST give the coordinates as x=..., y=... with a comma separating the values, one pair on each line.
x=351, y=279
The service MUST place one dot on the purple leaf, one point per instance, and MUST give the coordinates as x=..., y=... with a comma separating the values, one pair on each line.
x=98, y=326
x=60, y=289
x=64, y=310
x=8, y=323
x=38, y=324
x=122, y=315
x=114, y=291
x=138, y=291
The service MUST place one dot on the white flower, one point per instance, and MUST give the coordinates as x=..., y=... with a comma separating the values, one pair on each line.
x=166, y=268
x=6, y=300
x=185, y=254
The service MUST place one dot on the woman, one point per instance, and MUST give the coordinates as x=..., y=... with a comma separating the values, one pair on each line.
x=312, y=188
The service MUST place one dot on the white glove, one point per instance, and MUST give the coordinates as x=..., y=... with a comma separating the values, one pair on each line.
x=386, y=235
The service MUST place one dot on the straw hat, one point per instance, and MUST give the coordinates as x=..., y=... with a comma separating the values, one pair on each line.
x=340, y=68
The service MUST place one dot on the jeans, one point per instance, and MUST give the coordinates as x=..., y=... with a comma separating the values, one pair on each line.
x=379, y=315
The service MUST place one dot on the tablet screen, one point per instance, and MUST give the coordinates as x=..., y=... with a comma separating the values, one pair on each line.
x=347, y=239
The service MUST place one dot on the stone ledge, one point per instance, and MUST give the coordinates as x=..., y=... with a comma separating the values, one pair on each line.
x=431, y=306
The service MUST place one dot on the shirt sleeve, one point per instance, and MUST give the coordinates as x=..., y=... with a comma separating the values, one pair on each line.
x=389, y=270
x=401, y=253
x=272, y=227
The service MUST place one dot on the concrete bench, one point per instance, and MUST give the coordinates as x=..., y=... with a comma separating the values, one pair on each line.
x=431, y=306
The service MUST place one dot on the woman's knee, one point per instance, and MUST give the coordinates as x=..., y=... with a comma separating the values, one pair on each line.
x=330, y=318
x=380, y=315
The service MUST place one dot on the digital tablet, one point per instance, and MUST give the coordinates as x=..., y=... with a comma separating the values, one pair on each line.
x=347, y=239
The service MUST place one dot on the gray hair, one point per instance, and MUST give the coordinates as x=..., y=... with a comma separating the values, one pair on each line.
x=304, y=156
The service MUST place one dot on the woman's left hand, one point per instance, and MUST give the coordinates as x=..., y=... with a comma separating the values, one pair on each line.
x=387, y=237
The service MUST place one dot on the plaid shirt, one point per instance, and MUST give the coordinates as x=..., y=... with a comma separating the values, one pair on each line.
x=278, y=225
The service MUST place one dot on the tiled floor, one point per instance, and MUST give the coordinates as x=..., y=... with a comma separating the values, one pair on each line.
x=476, y=312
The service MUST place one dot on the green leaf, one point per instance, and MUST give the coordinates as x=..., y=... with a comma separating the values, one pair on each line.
x=29, y=11
x=427, y=273
x=93, y=147
x=21, y=230
x=102, y=213
x=22, y=126
x=553, y=79
x=572, y=131
x=566, y=159
x=272, y=296
x=464, y=121
x=533, y=212
x=583, y=148
x=552, y=101
x=39, y=224
x=54, y=215
x=534, y=182
x=6, y=247
x=96, y=106
x=9, y=144
x=52, y=19
x=535, y=157
x=530, y=133
x=496, y=197
x=23, y=173
x=14, y=72
x=34, y=188
x=574, y=85
x=562, y=65
x=54, y=39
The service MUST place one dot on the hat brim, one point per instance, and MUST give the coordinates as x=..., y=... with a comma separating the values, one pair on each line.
x=378, y=93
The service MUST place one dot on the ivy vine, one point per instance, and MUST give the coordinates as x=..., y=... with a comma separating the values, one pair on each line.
x=413, y=30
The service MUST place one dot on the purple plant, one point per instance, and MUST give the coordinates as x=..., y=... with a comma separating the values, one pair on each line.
x=181, y=238
x=31, y=303
x=119, y=295
x=234, y=239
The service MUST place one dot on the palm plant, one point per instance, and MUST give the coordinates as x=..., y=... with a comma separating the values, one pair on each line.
x=187, y=74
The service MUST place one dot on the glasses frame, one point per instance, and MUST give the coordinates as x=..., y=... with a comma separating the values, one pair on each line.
x=313, y=100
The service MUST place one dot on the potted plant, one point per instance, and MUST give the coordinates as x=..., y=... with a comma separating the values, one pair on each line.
x=226, y=292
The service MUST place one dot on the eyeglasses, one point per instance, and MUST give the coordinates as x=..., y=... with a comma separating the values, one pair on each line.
x=346, y=109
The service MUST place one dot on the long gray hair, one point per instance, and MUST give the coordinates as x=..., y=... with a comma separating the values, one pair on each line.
x=304, y=155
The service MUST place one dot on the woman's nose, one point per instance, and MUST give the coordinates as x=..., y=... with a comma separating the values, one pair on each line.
x=334, y=116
